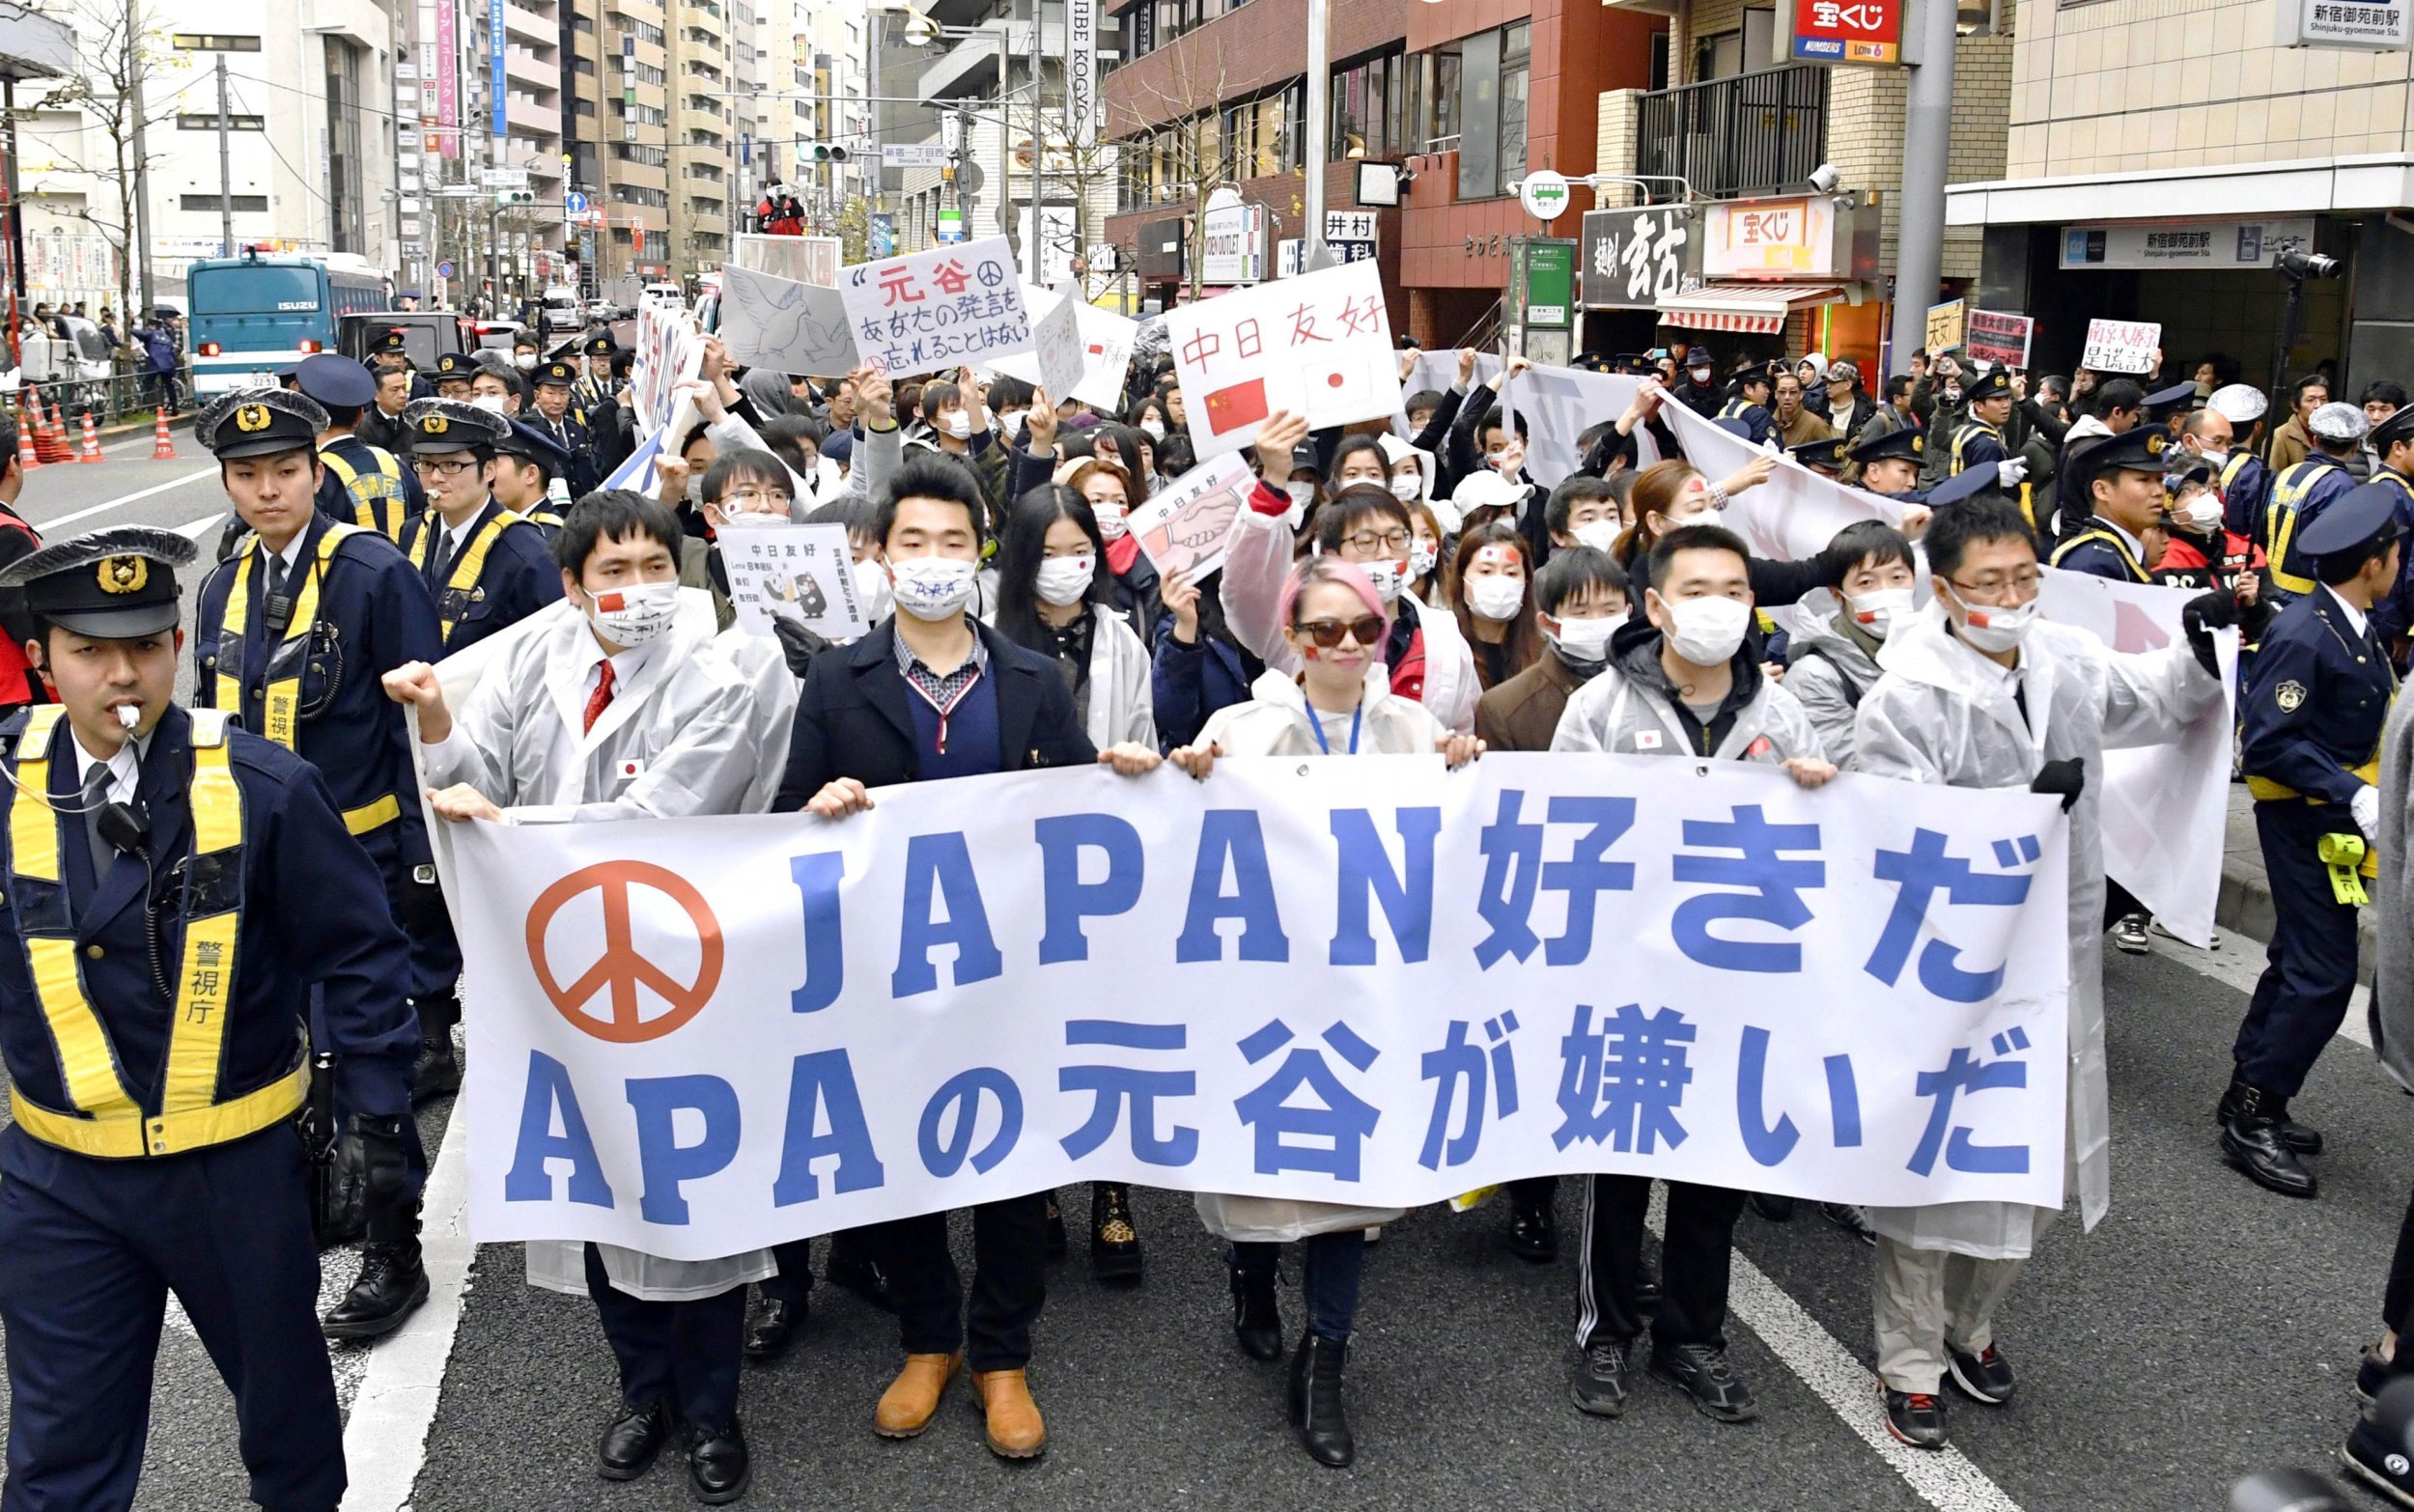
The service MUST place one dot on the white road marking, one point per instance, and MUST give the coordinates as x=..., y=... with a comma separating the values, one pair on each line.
x=385, y=1439
x=103, y=508
x=1945, y=1478
x=206, y=525
x=2239, y=963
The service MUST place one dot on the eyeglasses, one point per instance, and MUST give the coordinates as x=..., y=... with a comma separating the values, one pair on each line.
x=1327, y=634
x=2020, y=586
x=1390, y=544
x=774, y=499
x=445, y=469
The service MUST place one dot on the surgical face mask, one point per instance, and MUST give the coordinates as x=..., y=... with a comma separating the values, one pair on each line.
x=1408, y=487
x=1013, y=423
x=1497, y=597
x=1706, y=632
x=1064, y=579
x=695, y=488
x=1422, y=559
x=1587, y=641
x=1386, y=577
x=1153, y=427
x=1599, y=534
x=933, y=587
x=871, y=589
x=1302, y=496
x=1878, y=612
x=491, y=402
x=524, y=361
x=1494, y=459
x=634, y=616
x=1111, y=515
x=1994, y=629
x=955, y=423
x=2215, y=459
x=2203, y=513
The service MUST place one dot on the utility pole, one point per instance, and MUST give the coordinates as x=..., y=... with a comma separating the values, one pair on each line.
x=1039, y=149
x=226, y=176
x=1320, y=131
x=1927, y=133
x=142, y=157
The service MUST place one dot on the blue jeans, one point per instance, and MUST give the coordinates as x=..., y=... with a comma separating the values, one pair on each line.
x=1329, y=1277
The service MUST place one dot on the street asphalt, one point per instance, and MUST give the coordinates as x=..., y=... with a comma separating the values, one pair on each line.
x=2206, y=1330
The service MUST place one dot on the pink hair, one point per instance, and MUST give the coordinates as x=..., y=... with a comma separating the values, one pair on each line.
x=1315, y=569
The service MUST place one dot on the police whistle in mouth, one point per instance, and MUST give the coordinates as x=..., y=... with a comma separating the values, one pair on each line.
x=129, y=716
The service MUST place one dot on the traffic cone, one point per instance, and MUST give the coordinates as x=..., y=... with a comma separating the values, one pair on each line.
x=163, y=449
x=25, y=456
x=49, y=442
x=92, y=442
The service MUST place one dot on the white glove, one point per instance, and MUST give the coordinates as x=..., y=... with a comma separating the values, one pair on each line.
x=2366, y=807
x=2011, y=472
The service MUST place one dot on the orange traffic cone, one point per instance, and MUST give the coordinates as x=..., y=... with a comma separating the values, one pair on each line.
x=163, y=449
x=25, y=456
x=92, y=442
x=49, y=435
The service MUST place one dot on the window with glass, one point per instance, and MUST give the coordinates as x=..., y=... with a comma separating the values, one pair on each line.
x=1516, y=70
x=1367, y=100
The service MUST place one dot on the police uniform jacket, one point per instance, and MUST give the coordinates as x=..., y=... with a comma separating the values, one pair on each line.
x=359, y=611
x=575, y=440
x=368, y=485
x=139, y=1074
x=2315, y=700
x=2297, y=497
x=502, y=573
x=2098, y=550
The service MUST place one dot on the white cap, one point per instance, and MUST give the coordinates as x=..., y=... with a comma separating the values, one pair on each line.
x=1485, y=490
x=2239, y=404
x=2338, y=422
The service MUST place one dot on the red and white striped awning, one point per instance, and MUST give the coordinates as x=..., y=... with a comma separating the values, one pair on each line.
x=1758, y=309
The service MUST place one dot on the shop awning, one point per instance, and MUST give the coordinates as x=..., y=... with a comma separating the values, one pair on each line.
x=1758, y=309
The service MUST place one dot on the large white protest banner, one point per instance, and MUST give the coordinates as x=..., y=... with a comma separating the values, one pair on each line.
x=1796, y=513
x=2163, y=807
x=947, y=307
x=1318, y=344
x=1559, y=405
x=784, y=324
x=1369, y=981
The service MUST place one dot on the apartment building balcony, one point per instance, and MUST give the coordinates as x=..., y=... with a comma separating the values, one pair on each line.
x=532, y=24
x=969, y=68
x=527, y=118
x=521, y=66
x=1751, y=133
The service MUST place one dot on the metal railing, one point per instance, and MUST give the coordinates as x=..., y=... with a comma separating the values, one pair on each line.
x=113, y=397
x=1746, y=134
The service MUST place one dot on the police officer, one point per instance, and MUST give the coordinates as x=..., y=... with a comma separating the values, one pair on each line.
x=292, y=634
x=390, y=350
x=484, y=564
x=2118, y=479
x=363, y=484
x=2169, y=407
x=453, y=373
x=530, y=477
x=1987, y=400
x=1747, y=400
x=550, y=413
x=2300, y=494
x=1889, y=463
x=151, y=1150
x=2314, y=704
x=594, y=389
x=2392, y=444
x=1824, y=457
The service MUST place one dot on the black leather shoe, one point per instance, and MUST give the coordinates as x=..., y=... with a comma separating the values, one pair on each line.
x=2250, y=1141
x=1114, y=1241
x=1851, y=1218
x=1056, y=1229
x=392, y=1285
x=631, y=1441
x=853, y=1272
x=1599, y=1382
x=2298, y=1137
x=718, y=1468
x=768, y=1335
x=437, y=1073
x=1316, y=1401
x=1985, y=1377
x=1917, y=1419
x=1770, y=1206
x=1534, y=1233
x=1702, y=1371
x=1256, y=1317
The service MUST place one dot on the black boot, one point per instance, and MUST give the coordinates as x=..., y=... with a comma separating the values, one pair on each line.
x=1114, y=1241
x=2298, y=1137
x=1316, y=1401
x=437, y=1073
x=392, y=1285
x=631, y=1441
x=1534, y=1222
x=1256, y=1317
x=768, y=1335
x=719, y=1466
x=2250, y=1141
x=851, y=1268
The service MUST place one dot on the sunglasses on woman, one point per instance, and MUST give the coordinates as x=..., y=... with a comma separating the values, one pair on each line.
x=1327, y=634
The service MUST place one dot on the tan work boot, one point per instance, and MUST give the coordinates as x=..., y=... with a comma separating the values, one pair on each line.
x=912, y=1400
x=1015, y=1429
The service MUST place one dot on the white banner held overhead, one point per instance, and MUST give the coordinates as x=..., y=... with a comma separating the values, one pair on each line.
x=2121, y=346
x=944, y=308
x=1319, y=344
x=1368, y=980
x=1056, y=346
x=785, y=325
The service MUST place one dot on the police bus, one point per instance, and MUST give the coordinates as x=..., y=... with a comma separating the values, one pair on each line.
x=254, y=314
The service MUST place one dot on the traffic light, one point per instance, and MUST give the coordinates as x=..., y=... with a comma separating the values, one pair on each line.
x=511, y=197
x=821, y=152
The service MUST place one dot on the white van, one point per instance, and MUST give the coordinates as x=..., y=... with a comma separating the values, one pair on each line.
x=564, y=312
x=666, y=294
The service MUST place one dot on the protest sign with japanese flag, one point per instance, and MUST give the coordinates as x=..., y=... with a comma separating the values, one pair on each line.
x=1184, y=526
x=943, y=308
x=1318, y=344
x=1107, y=341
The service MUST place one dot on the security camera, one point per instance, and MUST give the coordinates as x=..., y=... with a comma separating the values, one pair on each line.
x=1824, y=178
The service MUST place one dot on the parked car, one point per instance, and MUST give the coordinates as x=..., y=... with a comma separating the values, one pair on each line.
x=427, y=334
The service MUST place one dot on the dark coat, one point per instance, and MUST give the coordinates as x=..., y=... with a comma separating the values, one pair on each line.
x=1522, y=713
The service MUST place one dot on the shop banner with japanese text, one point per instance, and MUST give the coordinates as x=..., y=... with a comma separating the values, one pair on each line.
x=1368, y=980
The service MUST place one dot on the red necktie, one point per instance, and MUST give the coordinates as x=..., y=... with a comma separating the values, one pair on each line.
x=602, y=698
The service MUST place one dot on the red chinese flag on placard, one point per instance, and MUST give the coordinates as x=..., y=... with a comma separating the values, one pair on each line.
x=1242, y=404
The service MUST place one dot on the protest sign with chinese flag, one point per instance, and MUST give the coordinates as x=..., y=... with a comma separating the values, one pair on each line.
x=1319, y=344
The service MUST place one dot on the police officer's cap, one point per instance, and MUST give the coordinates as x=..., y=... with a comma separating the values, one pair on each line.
x=108, y=584
x=2363, y=514
x=599, y=346
x=1902, y=441
x=440, y=425
x=338, y=383
x=391, y=341
x=1993, y=384
x=2338, y=422
x=2239, y=404
x=1967, y=484
x=527, y=440
x=556, y=373
x=2397, y=428
x=2138, y=449
x=1828, y=453
x=256, y=422
x=2165, y=399
x=456, y=365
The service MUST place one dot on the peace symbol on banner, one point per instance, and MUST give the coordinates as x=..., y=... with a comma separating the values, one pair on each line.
x=621, y=969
